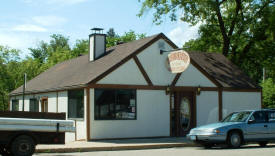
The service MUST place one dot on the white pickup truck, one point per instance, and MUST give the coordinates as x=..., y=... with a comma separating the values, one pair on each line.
x=19, y=136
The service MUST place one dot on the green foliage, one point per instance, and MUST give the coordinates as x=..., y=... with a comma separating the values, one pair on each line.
x=44, y=56
x=7, y=56
x=114, y=39
x=243, y=30
x=268, y=93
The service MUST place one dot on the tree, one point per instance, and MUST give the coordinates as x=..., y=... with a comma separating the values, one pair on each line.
x=81, y=47
x=41, y=52
x=241, y=30
x=268, y=93
x=111, y=33
x=7, y=56
x=44, y=56
x=126, y=37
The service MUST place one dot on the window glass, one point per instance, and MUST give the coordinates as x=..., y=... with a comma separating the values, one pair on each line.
x=259, y=117
x=15, y=105
x=115, y=104
x=271, y=116
x=34, y=105
x=76, y=103
x=237, y=117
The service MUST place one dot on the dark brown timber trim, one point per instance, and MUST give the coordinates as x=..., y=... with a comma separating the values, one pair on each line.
x=242, y=89
x=145, y=87
x=170, y=112
x=220, y=104
x=142, y=70
x=115, y=86
x=195, y=108
x=88, y=113
x=160, y=36
x=176, y=79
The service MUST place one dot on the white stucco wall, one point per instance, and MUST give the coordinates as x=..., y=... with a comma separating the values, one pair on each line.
x=193, y=77
x=62, y=106
x=155, y=64
x=128, y=73
x=237, y=101
x=152, y=118
x=207, y=107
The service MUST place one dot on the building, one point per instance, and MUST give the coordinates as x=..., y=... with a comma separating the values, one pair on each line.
x=127, y=91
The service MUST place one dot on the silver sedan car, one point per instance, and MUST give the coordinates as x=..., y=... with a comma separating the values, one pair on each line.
x=237, y=128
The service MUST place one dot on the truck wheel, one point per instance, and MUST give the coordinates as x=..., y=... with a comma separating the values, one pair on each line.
x=234, y=140
x=23, y=145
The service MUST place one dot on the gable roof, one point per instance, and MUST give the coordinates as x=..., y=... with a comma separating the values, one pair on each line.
x=222, y=70
x=79, y=72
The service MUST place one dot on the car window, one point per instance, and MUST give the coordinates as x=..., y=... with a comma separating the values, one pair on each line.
x=259, y=117
x=271, y=116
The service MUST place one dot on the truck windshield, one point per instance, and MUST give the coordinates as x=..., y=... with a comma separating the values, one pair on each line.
x=237, y=117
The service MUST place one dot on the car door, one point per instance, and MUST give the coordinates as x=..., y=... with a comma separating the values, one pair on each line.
x=271, y=124
x=257, y=127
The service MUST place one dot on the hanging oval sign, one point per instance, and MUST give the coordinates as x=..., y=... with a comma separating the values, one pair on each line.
x=178, y=61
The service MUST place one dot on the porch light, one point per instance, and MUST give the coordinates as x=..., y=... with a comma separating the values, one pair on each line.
x=199, y=90
x=168, y=89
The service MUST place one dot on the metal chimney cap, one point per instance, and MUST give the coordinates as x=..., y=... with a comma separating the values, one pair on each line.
x=97, y=30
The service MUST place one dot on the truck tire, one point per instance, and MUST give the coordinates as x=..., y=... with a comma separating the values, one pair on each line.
x=22, y=145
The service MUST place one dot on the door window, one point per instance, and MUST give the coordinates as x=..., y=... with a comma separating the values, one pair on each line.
x=271, y=116
x=259, y=117
x=185, y=113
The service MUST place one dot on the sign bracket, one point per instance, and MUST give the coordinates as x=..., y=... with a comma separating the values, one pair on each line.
x=168, y=51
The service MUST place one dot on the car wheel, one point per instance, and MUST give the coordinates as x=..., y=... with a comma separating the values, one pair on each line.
x=23, y=146
x=234, y=139
x=263, y=143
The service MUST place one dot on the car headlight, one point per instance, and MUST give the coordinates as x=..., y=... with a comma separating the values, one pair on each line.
x=216, y=131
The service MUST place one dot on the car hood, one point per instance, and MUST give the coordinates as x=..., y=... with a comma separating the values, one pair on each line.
x=217, y=125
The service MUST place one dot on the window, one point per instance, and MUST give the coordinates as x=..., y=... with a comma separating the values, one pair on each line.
x=259, y=117
x=271, y=116
x=34, y=105
x=76, y=103
x=15, y=105
x=113, y=104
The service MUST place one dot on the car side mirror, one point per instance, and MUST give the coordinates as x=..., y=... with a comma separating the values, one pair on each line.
x=251, y=121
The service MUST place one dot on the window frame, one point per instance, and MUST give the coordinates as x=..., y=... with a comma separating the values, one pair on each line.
x=102, y=119
x=76, y=118
x=13, y=103
x=37, y=102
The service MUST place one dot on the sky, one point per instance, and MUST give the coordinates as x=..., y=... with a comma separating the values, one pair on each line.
x=23, y=23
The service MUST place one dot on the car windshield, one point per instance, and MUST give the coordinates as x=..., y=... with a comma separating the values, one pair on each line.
x=237, y=117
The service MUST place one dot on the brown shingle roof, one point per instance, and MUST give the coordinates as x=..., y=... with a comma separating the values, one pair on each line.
x=223, y=70
x=78, y=72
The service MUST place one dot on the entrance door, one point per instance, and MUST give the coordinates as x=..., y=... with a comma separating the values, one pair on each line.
x=183, y=113
x=44, y=105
